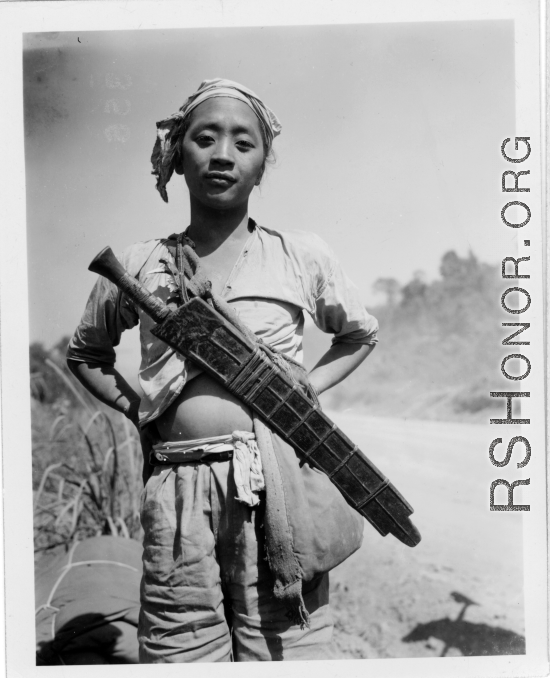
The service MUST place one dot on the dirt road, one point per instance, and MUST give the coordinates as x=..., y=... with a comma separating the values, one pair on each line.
x=393, y=601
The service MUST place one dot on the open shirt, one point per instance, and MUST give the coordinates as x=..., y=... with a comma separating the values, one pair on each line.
x=277, y=277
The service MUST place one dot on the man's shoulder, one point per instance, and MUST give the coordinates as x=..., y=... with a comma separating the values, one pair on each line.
x=298, y=243
x=135, y=256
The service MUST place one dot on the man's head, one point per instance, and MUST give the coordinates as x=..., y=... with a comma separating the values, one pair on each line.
x=168, y=153
x=222, y=153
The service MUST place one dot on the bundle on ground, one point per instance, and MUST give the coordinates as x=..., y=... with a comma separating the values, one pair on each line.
x=87, y=603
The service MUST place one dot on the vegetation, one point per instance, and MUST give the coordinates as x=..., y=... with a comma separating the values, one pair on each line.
x=438, y=355
x=86, y=459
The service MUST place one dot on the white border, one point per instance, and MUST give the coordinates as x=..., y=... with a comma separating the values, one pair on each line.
x=17, y=18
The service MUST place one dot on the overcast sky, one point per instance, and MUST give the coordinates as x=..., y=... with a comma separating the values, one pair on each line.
x=390, y=148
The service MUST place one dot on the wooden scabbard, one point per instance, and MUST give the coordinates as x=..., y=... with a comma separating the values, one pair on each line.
x=199, y=332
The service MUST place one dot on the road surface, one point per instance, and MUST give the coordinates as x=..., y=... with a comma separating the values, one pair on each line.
x=393, y=601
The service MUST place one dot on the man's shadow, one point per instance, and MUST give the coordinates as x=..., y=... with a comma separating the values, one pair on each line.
x=472, y=640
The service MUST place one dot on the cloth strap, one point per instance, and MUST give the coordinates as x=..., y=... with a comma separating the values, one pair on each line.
x=281, y=557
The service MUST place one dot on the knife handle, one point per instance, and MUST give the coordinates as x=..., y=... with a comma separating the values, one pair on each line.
x=107, y=265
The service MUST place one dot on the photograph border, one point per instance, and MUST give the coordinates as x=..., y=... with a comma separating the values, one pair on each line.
x=19, y=18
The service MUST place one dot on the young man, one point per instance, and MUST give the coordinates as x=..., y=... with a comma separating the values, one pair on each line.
x=208, y=593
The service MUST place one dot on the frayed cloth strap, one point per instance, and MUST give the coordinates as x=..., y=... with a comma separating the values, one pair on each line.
x=180, y=243
x=279, y=543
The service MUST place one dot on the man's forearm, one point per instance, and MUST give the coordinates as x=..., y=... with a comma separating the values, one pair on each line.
x=108, y=386
x=337, y=363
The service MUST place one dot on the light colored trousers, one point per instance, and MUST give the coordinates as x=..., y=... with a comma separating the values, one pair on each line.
x=207, y=591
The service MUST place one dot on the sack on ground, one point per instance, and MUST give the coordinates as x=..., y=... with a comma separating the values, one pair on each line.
x=87, y=603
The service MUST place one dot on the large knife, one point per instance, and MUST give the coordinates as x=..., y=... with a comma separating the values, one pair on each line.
x=200, y=333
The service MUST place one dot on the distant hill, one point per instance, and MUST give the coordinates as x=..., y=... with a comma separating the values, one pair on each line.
x=439, y=347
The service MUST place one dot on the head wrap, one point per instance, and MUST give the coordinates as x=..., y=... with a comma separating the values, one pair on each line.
x=164, y=156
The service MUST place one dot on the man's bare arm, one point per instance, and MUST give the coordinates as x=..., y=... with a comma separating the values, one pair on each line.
x=108, y=386
x=337, y=363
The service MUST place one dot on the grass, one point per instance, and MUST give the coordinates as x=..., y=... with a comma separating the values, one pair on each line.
x=86, y=468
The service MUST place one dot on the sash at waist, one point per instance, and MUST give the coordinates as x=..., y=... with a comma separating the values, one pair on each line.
x=190, y=450
x=240, y=446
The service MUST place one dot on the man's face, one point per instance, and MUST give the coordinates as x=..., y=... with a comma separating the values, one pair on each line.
x=223, y=153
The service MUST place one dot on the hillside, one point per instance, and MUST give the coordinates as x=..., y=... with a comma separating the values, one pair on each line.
x=439, y=347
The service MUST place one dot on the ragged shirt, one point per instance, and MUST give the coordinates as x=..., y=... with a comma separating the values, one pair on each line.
x=277, y=277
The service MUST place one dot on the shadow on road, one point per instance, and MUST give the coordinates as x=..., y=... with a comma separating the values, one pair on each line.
x=471, y=640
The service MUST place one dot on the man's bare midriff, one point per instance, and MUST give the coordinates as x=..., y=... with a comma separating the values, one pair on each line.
x=203, y=409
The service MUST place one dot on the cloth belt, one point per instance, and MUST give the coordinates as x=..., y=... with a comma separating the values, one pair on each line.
x=240, y=446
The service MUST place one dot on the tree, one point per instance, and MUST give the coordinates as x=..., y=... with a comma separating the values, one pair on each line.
x=389, y=287
x=415, y=290
x=461, y=273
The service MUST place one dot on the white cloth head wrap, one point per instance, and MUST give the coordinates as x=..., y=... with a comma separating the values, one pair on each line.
x=164, y=155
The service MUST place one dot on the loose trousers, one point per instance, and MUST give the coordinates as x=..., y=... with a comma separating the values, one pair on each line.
x=206, y=590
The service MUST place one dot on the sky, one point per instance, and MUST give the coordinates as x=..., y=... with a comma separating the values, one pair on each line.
x=390, y=148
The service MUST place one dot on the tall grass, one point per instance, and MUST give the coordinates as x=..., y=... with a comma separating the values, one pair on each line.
x=86, y=468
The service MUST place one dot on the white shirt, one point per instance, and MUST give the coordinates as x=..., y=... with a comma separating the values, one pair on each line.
x=277, y=277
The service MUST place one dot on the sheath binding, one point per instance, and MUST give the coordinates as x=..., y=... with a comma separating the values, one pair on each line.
x=259, y=379
x=294, y=387
x=301, y=420
x=373, y=496
x=320, y=440
x=402, y=534
x=240, y=382
x=343, y=463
